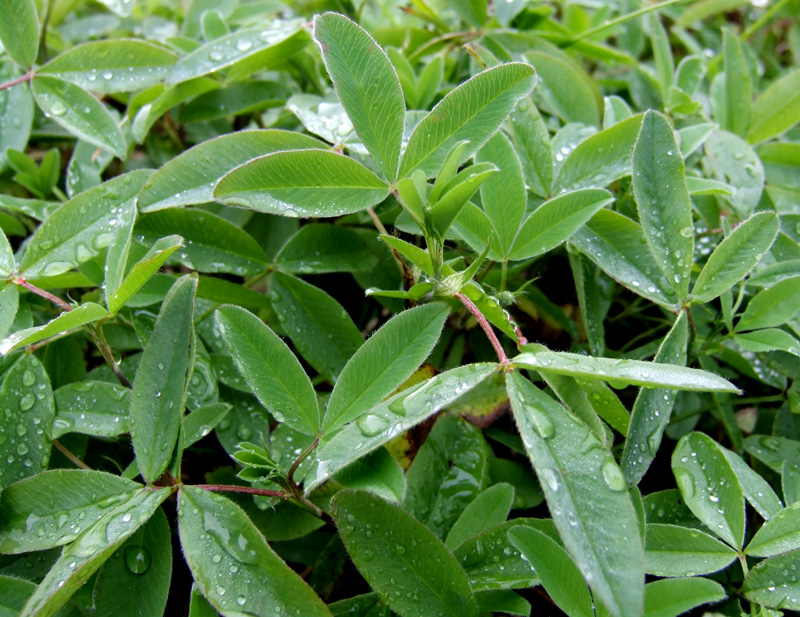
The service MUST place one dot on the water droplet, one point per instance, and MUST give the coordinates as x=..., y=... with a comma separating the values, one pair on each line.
x=371, y=425
x=28, y=379
x=244, y=44
x=26, y=402
x=551, y=478
x=137, y=559
x=613, y=476
x=57, y=108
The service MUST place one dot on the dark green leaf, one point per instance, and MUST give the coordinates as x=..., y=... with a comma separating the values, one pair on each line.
x=77, y=317
x=779, y=534
x=774, y=582
x=672, y=597
x=489, y=508
x=673, y=550
x=320, y=248
x=771, y=307
x=94, y=408
x=567, y=89
x=19, y=31
x=159, y=388
x=403, y=561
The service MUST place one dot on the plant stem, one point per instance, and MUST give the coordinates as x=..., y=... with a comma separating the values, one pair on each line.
x=300, y=459
x=759, y=23
x=487, y=328
x=15, y=82
x=620, y=20
x=105, y=350
x=63, y=449
x=250, y=490
x=503, y=274
x=41, y=292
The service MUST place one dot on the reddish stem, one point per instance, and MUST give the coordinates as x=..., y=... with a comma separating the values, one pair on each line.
x=44, y=294
x=232, y=488
x=487, y=328
x=16, y=82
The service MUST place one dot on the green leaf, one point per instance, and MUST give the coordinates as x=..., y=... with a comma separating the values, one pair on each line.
x=158, y=100
x=159, y=388
x=556, y=220
x=77, y=317
x=732, y=161
x=402, y=560
x=318, y=325
x=258, y=49
x=190, y=177
x=142, y=271
x=8, y=264
x=776, y=109
x=566, y=89
x=710, y=487
x=490, y=95
x=202, y=421
x=617, y=246
x=235, y=100
x=393, y=417
x=560, y=577
x=736, y=115
x=773, y=451
x=302, y=183
x=16, y=105
x=586, y=492
x=662, y=54
x=601, y=158
x=320, y=248
x=662, y=200
x=28, y=413
x=771, y=307
x=83, y=227
x=652, y=409
x=756, y=490
x=531, y=140
x=212, y=243
x=377, y=473
x=79, y=112
x=119, y=65
x=270, y=369
x=672, y=550
x=233, y=565
x=19, y=31
x=627, y=372
x=94, y=408
x=9, y=303
x=447, y=474
x=491, y=561
x=779, y=534
x=94, y=546
x=503, y=195
x=457, y=194
x=489, y=508
x=367, y=86
x=134, y=582
x=383, y=362
x=672, y=597
x=51, y=508
x=769, y=339
x=736, y=256
x=774, y=583
x=502, y=601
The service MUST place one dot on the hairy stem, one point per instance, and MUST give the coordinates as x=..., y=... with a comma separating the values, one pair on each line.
x=42, y=293
x=250, y=490
x=74, y=459
x=17, y=81
x=300, y=459
x=487, y=328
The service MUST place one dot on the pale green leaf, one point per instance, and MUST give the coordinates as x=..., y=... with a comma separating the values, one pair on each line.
x=83, y=227
x=561, y=578
x=627, y=372
x=586, y=493
x=393, y=417
x=735, y=256
x=264, y=46
x=85, y=555
x=234, y=566
x=400, y=557
x=662, y=199
x=771, y=307
x=774, y=582
x=29, y=409
x=302, y=183
x=8, y=264
x=9, y=303
x=672, y=597
x=673, y=550
x=489, y=508
x=769, y=339
x=779, y=534
x=159, y=388
x=271, y=370
x=732, y=161
x=367, y=86
x=556, y=220
x=321, y=330
x=154, y=102
x=202, y=421
x=756, y=489
x=79, y=112
x=566, y=89
x=377, y=473
x=652, y=409
x=617, y=246
x=531, y=140
x=736, y=115
x=118, y=65
x=383, y=362
x=709, y=486
x=776, y=109
x=79, y=316
x=96, y=408
x=601, y=158
x=16, y=107
x=19, y=31
x=472, y=112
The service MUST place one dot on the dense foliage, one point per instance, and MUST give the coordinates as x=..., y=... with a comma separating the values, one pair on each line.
x=428, y=308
